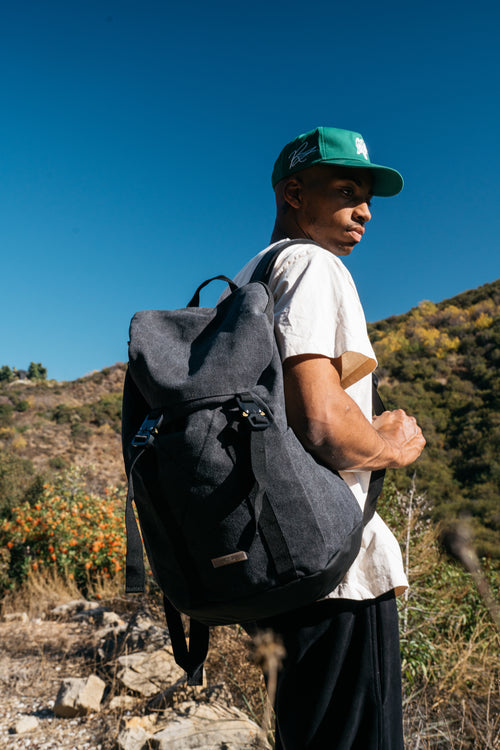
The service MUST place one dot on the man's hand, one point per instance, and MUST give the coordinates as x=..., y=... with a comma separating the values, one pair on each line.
x=332, y=427
x=403, y=435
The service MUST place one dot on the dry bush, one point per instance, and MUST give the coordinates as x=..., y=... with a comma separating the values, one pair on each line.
x=44, y=590
x=39, y=593
x=450, y=645
x=230, y=661
x=467, y=724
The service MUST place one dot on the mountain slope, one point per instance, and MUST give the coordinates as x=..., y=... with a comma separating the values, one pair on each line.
x=440, y=362
x=48, y=425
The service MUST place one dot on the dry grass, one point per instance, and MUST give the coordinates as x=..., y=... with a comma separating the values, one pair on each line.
x=230, y=661
x=467, y=724
x=42, y=591
x=39, y=594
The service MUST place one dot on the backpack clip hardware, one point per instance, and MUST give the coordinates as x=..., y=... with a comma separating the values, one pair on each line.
x=252, y=412
x=147, y=431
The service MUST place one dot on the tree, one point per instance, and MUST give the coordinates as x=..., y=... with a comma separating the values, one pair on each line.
x=36, y=371
x=6, y=374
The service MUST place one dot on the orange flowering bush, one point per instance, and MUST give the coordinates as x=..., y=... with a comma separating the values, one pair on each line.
x=76, y=532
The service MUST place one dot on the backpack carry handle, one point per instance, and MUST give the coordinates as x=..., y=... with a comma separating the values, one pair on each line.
x=195, y=300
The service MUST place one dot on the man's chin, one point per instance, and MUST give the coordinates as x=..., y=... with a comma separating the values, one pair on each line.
x=342, y=250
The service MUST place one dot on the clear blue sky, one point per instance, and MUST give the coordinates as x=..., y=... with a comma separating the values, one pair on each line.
x=137, y=138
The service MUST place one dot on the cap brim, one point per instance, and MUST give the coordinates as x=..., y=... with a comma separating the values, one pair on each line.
x=386, y=181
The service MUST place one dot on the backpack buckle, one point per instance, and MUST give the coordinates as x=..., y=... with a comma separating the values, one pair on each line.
x=147, y=431
x=255, y=416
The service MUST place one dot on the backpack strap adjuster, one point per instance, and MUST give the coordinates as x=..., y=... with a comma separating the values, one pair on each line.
x=255, y=416
x=147, y=431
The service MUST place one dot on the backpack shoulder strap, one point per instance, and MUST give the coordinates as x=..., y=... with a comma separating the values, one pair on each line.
x=264, y=267
x=377, y=477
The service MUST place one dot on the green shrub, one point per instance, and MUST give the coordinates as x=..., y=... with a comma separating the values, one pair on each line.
x=58, y=463
x=6, y=411
x=6, y=374
x=36, y=371
x=16, y=476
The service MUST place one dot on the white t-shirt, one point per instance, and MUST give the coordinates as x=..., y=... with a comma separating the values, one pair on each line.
x=318, y=311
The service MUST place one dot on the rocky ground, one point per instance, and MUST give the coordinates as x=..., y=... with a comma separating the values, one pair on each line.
x=35, y=657
x=84, y=676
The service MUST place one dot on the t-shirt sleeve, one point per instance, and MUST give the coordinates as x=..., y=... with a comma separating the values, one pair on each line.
x=318, y=311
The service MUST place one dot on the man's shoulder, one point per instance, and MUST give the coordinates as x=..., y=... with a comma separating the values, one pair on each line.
x=299, y=257
x=294, y=259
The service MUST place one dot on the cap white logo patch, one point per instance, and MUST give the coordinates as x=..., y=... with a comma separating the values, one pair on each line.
x=300, y=155
x=361, y=148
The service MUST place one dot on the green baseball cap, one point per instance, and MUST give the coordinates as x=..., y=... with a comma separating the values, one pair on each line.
x=334, y=146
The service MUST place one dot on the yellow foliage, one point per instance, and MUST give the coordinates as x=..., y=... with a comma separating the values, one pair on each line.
x=18, y=443
x=392, y=342
x=483, y=321
x=485, y=306
x=426, y=336
x=455, y=316
x=426, y=308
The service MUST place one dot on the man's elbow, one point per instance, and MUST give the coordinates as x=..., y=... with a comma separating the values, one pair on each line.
x=319, y=436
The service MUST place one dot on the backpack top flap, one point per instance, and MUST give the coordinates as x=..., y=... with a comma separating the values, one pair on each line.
x=198, y=352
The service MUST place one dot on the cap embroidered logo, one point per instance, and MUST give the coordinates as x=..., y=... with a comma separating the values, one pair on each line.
x=361, y=147
x=300, y=154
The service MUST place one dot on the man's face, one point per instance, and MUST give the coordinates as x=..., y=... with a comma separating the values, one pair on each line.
x=334, y=206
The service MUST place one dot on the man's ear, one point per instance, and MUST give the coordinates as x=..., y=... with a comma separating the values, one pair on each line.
x=292, y=192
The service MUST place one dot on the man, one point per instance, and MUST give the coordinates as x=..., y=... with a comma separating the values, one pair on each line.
x=340, y=686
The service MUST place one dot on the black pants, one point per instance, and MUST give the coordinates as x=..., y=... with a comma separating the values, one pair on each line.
x=340, y=685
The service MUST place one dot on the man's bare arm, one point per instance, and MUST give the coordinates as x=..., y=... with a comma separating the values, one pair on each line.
x=332, y=427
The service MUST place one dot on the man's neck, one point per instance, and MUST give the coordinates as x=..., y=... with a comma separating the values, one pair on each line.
x=286, y=230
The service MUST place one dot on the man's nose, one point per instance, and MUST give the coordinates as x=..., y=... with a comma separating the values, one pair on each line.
x=362, y=212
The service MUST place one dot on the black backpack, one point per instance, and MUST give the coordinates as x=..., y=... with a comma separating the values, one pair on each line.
x=239, y=522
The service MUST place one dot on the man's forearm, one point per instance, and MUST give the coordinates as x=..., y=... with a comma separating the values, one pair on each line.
x=333, y=428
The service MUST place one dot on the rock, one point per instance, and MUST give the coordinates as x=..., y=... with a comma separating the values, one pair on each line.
x=65, y=705
x=111, y=620
x=141, y=633
x=147, y=722
x=78, y=696
x=122, y=703
x=25, y=724
x=69, y=609
x=131, y=660
x=16, y=617
x=207, y=727
x=133, y=738
x=97, y=615
x=149, y=673
x=89, y=698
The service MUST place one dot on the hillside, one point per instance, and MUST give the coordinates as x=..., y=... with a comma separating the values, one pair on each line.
x=46, y=426
x=440, y=362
